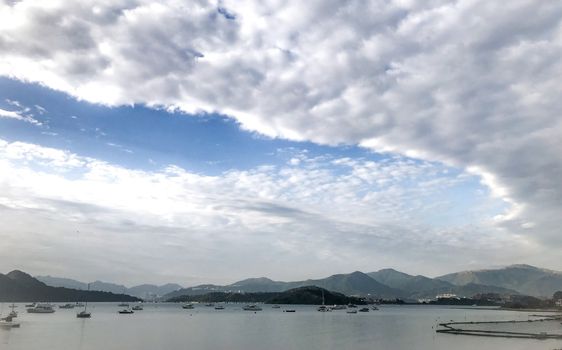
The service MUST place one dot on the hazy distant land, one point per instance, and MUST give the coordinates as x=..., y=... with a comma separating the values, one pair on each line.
x=383, y=284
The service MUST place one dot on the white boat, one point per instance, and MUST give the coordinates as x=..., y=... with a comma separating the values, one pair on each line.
x=209, y=304
x=187, y=306
x=7, y=322
x=41, y=309
x=276, y=307
x=123, y=305
x=339, y=307
x=66, y=306
x=252, y=307
x=138, y=308
x=374, y=308
x=219, y=307
x=351, y=311
x=126, y=311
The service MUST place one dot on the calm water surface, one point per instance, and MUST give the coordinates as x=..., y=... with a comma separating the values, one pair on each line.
x=167, y=326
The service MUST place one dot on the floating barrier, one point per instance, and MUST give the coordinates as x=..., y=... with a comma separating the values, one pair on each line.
x=463, y=328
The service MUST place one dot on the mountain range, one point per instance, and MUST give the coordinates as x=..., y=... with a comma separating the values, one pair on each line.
x=143, y=291
x=525, y=279
x=385, y=283
x=17, y=286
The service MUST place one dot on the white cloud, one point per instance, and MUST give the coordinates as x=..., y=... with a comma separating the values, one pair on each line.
x=18, y=116
x=474, y=84
x=357, y=214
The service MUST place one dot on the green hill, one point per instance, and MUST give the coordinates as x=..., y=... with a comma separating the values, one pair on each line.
x=311, y=295
x=17, y=286
x=308, y=295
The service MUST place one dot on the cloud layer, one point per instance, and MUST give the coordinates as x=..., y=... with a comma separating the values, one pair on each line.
x=330, y=214
x=473, y=84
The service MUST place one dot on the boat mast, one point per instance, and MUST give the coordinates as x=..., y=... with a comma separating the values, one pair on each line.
x=86, y=304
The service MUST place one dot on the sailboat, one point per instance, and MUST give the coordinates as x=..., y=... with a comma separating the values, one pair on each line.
x=84, y=313
x=13, y=313
x=8, y=323
x=123, y=304
x=323, y=307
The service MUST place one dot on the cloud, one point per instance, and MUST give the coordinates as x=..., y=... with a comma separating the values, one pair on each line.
x=329, y=213
x=18, y=116
x=473, y=84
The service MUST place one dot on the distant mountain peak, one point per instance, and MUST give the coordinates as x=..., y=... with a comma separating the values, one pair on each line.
x=527, y=267
x=393, y=271
x=19, y=275
x=389, y=269
x=358, y=274
x=256, y=280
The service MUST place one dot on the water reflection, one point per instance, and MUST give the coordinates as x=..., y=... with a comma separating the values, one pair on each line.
x=167, y=326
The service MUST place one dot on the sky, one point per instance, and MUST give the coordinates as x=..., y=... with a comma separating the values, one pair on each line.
x=211, y=141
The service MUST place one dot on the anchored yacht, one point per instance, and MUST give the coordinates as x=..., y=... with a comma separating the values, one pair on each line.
x=252, y=307
x=41, y=309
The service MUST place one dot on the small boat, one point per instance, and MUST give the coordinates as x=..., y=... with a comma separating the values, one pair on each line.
x=364, y=309
x=323, y=308
x=7, y=322
x=252, y=307
x=84, y=313
x=66, y=306
x=276, y=307
x=351, y=311
x=41, y=309
x=79, y=305
x=138, y=308
x=187, y=306
x=123, y=305
x=209, y=305
x=126, y=311
x=339, y=307
x=30, y=305
x=351, y=305
x=374, y=308
x=289, y=310
x=219, y=307
x=13, y=313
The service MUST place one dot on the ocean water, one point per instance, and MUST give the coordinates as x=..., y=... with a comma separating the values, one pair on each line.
x=168, y=326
